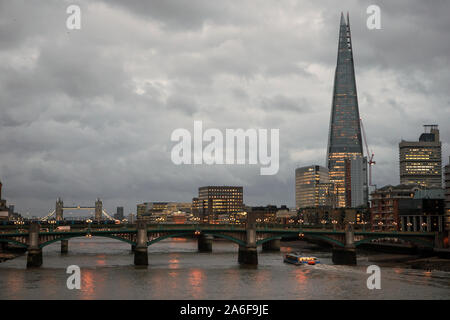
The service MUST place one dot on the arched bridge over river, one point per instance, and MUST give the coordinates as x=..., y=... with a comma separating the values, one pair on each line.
x=248, y=237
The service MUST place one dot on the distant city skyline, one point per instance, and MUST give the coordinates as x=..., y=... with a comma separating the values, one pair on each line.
x=88, y=113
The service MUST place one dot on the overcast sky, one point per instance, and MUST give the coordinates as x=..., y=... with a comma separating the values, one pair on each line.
x=89, y=113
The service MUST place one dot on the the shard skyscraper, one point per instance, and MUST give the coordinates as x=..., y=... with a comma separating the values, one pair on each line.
x=344, y=141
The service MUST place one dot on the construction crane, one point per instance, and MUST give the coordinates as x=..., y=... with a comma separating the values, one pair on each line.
x=369, y=155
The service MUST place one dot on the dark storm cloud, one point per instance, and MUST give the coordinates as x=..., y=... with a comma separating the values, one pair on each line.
x=89, y=113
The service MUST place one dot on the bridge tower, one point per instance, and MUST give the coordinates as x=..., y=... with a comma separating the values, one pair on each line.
x=34, y=255
x=140, y=251
x=98, y=209
x=347, y=254
x=248, y=253
x=59, y=209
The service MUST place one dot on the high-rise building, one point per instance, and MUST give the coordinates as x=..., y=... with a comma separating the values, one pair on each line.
x=421, y=161
x=447, y=197
x=119, y=213
x=213, y=201
x=313, y=187
x=344, y=140
x=4, y=212
x=356, y=186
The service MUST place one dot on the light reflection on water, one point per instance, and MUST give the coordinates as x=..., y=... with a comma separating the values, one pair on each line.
x=177, y=271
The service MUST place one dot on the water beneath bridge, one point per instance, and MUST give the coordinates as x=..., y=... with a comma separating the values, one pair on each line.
x=177, y=271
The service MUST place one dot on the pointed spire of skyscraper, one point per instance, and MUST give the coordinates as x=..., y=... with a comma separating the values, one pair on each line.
x=344, y=140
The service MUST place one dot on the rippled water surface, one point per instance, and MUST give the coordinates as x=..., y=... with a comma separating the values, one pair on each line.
x=177, y=271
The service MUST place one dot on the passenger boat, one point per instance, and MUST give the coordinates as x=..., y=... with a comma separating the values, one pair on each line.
x=299, y=259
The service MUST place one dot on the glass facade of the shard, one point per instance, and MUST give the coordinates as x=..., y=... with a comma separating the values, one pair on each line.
x=344, y=141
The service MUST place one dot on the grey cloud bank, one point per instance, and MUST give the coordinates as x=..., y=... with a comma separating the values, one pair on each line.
x=89, y=113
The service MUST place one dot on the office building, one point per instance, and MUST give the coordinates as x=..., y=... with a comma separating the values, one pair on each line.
x=313, y=187
x=356, y=186
x=119, y=213
x=148, y=209
x=344, y=140
x=213, y=201
x=421, y=161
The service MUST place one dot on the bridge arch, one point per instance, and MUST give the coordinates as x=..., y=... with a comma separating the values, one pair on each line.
x=325, y=238
x=23, y=245
x=190, y=233
x=66, y=237
x=417, y=241
x=278, y=236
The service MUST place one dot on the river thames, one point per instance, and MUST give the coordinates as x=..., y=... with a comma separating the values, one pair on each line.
x=177, y=271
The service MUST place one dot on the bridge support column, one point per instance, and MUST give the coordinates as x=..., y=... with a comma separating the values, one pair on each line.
x=248, y=254
x=205, y=243
x=347, y=254
x=272, y=245
x=3, y=246
x=64, y=246
x=34, y=256
x=439, y=240
x=140, y=252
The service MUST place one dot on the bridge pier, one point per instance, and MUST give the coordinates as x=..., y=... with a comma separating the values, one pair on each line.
x=3, y=247
x=248, y=254
x=347, y=254
x=439, y=240
x=140, y=251
x=34, y=255
x=205, y=243
x=272, y=245
x=64, y=246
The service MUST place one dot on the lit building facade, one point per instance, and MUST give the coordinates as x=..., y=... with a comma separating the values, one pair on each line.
x=213, y=201
x=344, y=140
x=148, y=209
x=421, y=161
x=313, y=187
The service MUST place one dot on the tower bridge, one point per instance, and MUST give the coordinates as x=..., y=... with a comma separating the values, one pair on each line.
x=59, y=210
x=248, y=237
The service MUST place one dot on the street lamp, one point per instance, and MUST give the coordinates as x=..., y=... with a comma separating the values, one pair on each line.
x=409, y=224
x=381, y=224
x=364, y=224
x=424, y=224
x=88, y=234
x=334, y=222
